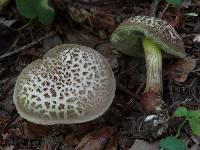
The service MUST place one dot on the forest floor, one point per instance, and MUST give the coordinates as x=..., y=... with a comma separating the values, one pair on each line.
x=90, y=23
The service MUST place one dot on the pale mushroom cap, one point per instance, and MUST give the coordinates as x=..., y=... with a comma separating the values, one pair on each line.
x=126, y=37
x=72, y=84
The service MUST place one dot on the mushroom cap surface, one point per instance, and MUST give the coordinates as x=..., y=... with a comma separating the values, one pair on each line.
x=126, y=37
x=71, y=84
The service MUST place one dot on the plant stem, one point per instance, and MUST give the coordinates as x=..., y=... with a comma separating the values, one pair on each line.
x=179, y=128
x=161, y=15
x=153, y=58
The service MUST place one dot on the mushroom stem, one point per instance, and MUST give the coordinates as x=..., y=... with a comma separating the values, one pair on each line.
x=154, y=85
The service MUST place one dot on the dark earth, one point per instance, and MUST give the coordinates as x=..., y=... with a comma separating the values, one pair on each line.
x=90, y=23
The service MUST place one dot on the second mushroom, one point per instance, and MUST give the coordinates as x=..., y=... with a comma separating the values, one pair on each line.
x=152, y=38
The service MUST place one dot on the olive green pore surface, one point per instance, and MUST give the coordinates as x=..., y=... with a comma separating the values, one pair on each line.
x=126, y=37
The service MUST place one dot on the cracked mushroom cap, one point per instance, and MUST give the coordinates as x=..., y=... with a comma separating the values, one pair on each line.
x=126, y=37
x=72, y=84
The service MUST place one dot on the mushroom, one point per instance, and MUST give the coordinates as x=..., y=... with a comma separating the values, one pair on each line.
x=71, y=84
x=151, y=38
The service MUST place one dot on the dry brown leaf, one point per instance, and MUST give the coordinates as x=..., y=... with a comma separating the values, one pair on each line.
x=180, y=69
x=78, y=15
x=96, y=19
x=96, y=140
x=103, y=21
x=178, y=18
x=79, y=130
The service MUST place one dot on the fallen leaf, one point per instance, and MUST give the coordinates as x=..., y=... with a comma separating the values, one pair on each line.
x=178, y=18
x=144, y=145
x=78, y=15
x=96, y=140
x=180, y=69
x=79, y=130
x=103, y=21
x=96, y=20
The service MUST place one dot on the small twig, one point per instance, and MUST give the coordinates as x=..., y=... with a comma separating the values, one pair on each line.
x=26, y=46
x=180, y=127
x=128, y=70
x=161, y=14
x=153, y=8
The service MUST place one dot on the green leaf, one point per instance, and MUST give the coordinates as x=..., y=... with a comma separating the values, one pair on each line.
x=25, y=9
x=36, y=8
x=195, y=125
x=172, y=143
x=194, y=121
x=181, y=112
x=175, y=2
x=45, y=13
x=193, y=113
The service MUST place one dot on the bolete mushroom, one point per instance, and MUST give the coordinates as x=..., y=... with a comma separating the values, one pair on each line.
x=149, y=37
x=71, y=84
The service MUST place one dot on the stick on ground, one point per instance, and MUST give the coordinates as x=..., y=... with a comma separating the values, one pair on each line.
x=26, y=46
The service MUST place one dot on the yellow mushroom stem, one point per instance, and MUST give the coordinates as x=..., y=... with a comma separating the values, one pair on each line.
x=153, y=58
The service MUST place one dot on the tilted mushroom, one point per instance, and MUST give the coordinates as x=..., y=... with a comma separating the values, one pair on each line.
x=149, y=37
x=72, y=84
